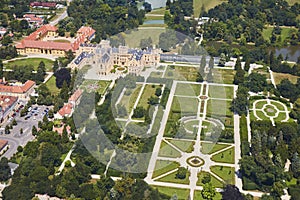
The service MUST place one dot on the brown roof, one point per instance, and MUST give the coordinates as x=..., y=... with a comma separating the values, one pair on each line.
x=44, y=45
x=66, y=110
x=41, y=32
x=3, y=143
x=17, y=89
x=7, y=101
x=76, y=95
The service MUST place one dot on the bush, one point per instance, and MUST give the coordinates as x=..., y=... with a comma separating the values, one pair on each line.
x=181, y=173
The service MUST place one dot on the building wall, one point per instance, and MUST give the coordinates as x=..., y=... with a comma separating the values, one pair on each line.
x=54, y=52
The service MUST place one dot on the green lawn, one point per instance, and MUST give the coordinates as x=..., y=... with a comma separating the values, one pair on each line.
x=278, y=105
x=281, y=116
x=103, y=85
x=267, y=32
x=198, y=196
x=191, y=125
x=218, y=107
x=171, y=178
x=164, y=166
x=168, y=151
x=214, y=181
x=133, y=38
x=185, y=105
x=129, y=100
x=221, y=92
x=270, y=110
x=30, y=61
x=182, y=194
x=185, y=146
x=223, y=76
x=226, y=156
x=153, y=17
x=93, y=85
x=188, y=89
x=187, y=73
x=149, y=91
x=260, y=104
x=51, y=84
x=210, y=148
x=158, y=11
x=226, y=173
x=156, y=74
x=208, y=4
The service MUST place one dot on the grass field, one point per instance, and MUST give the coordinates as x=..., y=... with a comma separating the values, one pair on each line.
x=129, y=100
x=164, y=166
x=171, y=178
x=280, y=76
x=185, y=146
x=188, y=89
x=267, y=32
x=156, y=74
x=158, y=11
x=149, y=91
x=191, y=125
x=226, y=156
x=222, y=92
x=208, y=4
x=214, y=181
x=154, y=17
x=218, y=107
x=223, y=76
x=260, y=104
x=185, y=105
x=168, y=151
x=210, y=148
x=133, y=39
x=198, y=196
x=30, y=61
x=51, y=85
x=182, y=73
x=226, y=173
x=182, y=194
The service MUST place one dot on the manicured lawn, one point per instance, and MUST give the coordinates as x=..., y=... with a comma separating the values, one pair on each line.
x=280, y=76
x=154, y=17
x=133, y=38
x=157, y=121
x=267, y=32
x=103, y=85
x=171, y=178
x=158, y=11
x=281, y=116
x=182, y=73
x=182, y=194
x=51, y=84
x=214, y=181
x=198, y=196
x=149, y=91
x=223, y=76
x=164, y=166
x=30, y=61
x=226, y=173
x=278, y=105
x=221, y=92
x=208, y=4
x=262, y=115
x=188, y=89
x=270, y=110
x=156, y=74
x=185, y=146
x=191, y=125
x=93, y=85
x=129, y=100
x=226, y=156
x=185, y=105
x=168, y=151
x=291, y=182
x=260, y=104
x=210, y=148
x=218, y=107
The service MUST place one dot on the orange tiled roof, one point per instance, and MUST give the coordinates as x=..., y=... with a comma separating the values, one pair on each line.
x=76, y=95
x=40, y=32
x=3, y=143
x=44, y=45
x=7, y=101
x=17, y=89
x=66, y=110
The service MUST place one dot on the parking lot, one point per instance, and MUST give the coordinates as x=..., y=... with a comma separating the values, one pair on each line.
x=15, y=137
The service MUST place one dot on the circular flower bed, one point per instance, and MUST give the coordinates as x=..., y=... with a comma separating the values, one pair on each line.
x=195, y=161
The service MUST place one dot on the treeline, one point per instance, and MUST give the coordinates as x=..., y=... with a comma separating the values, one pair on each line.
x=106, y=17
x=8, y=52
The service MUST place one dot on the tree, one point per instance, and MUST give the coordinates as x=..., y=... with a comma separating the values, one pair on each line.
x=206, y=178
x=208, y=191
x=240, y=103
x=41, y=72
x=146, y=43
x=158, y=92
x=55, y=66
x=181, y=173
x=5, y=172
x=34, y=131
x=21, y=131
x=222, y=60
x=256, y=82
x=295, y=164
x=1, y=69
x=139, y=112
x=239, y=76
x=65, y=137
x=153, y=100
x=62, y=75
x=238, y=64
x=288, y=90
x=199, y=77
x=64, y=92
x=14, y=122
x=231, y=192
x=7, y=131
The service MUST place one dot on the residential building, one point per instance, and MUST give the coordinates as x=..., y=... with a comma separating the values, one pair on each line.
x=37, y=42
x=33, y=20
x=68, y=109
x=22, y=91
x=7, y=105
x=3, y=146
x=45, y=5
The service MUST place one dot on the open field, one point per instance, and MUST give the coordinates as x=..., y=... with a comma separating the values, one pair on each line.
x=129, y=100
x=149, y=91
x=214, y=181
x=267, y=32
x=171, y=178
x=223, y=76
x=164, y=166
x=218, y=107
x=184, y=105
x=226, y=156
x=182, y=194
x=280, y=76
x=210, y=148
x=185, y=146
x=208, y=4
x=168, y=151
x=226, y=173
x=51, y=85
x=134, y=37
x=30, y=61
x=223, y=92
x=188, y=89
